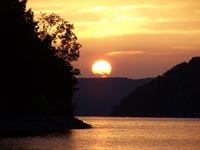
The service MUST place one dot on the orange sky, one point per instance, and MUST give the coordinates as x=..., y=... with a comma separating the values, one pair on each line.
x=139, y=38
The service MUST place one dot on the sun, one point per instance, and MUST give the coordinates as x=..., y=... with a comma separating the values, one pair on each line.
x=102, y=68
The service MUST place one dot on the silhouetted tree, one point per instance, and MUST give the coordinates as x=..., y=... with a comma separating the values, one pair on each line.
x=34, y=78
x=18, y=37
x=59, y=36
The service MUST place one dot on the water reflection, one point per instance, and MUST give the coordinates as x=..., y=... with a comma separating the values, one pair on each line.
x=117, y=134
x=52, y=141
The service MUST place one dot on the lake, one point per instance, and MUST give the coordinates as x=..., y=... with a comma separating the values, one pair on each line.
x=117, y=133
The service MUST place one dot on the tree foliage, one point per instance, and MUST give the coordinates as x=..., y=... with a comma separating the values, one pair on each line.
x=37, y=76
x=59, y=35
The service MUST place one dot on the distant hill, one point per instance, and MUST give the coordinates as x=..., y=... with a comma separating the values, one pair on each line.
x=96, y=96
x=175, y=94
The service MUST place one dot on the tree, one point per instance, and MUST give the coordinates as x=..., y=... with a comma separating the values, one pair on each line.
x=58, y=35
x=36, y=72
x=18, y=54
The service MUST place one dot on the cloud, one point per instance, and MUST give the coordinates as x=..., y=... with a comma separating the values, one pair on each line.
x=113, y=53
x=48, y=11
x=176, y=24
x=97, y=19
x=94, y=9
x=116, y=8
x=197, y=11
x=185, y=48
x=127, y=7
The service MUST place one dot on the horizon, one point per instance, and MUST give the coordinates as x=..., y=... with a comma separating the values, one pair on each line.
x=139, y=82
x=110, y=77
x=139, y=39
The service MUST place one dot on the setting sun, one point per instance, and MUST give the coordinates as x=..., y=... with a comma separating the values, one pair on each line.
x=144, y=34
x=102, y=68
x=100, y=75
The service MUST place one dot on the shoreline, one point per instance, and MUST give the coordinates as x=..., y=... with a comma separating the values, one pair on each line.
x=33, y=126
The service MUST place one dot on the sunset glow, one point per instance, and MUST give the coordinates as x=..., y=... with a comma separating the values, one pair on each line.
x=102, y=68
x=143, y=38
x=100, y=75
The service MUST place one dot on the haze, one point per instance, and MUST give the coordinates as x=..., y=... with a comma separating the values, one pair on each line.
x=139, y=38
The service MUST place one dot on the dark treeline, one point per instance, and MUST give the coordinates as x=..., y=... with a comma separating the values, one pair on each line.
x=174, y=94
x=35, y=78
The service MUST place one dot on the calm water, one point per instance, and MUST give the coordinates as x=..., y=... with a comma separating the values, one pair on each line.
x=118, y=134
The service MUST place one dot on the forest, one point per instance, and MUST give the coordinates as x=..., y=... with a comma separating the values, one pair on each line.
x=37, y=78
x=36, y=73
x=176, y=93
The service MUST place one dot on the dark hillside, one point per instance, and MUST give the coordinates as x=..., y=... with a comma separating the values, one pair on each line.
x=96, y=96
x=175, y=93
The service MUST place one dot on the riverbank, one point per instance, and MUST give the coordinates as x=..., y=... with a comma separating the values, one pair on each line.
x=33, y=126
